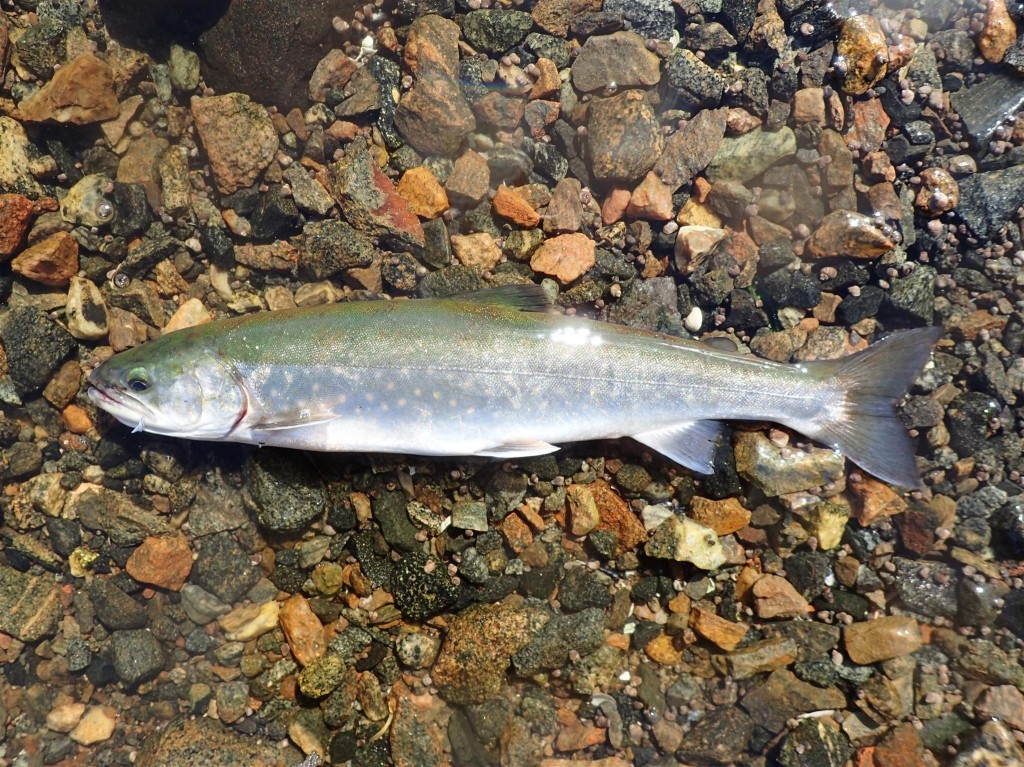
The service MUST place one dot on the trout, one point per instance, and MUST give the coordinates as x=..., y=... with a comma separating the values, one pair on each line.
x=496, y=373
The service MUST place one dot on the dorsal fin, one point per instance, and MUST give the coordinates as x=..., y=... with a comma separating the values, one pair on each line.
x=524, y=298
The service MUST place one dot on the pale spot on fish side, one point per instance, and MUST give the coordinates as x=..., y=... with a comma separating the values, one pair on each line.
x=573, y=336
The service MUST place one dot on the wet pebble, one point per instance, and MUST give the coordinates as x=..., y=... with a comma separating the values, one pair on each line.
x=623, y=137
x=620, y=60
x=222, y=122
x=881, y=639
x=476, y=652
x=815, y=743
x=744, y=158
x=137, y=655
x=849, y=234
x=285, y=490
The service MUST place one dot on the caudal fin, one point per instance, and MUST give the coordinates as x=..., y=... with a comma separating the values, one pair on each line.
x=865, y=427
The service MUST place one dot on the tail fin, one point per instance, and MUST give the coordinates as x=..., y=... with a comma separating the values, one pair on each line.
x=865, y=427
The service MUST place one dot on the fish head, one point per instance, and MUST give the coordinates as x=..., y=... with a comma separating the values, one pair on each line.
x=165, y=389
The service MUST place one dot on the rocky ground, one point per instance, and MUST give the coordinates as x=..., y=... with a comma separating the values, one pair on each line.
x=796, y=178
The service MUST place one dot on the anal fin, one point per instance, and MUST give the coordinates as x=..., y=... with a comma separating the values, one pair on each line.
x=518, y=449
x=689, y=443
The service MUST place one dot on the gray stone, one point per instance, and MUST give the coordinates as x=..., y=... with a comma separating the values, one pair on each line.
x=549, y=649
x=285, y=490
x=987, y=104
x=718, y=738
x=115, y=609
x=744, y=158
x=223, y=568
x=35, y=346
x=137, y=655
x=815, y=743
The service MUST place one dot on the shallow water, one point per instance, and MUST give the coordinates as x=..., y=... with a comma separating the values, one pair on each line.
x=793, y=180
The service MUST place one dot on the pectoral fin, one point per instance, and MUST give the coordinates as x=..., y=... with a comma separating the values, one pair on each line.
x=518, y=450
x=690, y=443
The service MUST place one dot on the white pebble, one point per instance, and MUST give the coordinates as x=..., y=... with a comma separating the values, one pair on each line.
x=694, y=320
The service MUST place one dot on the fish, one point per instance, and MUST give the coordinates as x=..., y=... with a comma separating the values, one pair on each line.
x=498, y=373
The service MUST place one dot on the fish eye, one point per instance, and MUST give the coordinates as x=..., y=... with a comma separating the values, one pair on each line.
x=137, y=379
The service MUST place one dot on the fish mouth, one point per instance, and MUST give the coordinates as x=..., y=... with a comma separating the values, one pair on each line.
x=124, y=408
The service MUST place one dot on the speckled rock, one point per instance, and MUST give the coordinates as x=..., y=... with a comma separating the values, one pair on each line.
x=478, y=648
x=550, y=647
x=35, y=346
x=815, y=743
x=238, y=137
x=29, y=605
x=423, y=588
x=15, y=174
x=205, y=742
x=137, y=655
x=224, y=569
x=495, y=30
x=623, y=137
x=370, y=202
x=285, y=490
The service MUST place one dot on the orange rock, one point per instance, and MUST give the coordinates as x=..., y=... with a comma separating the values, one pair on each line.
x=614, y=206
x=566, y=257
x=423, y=192
x=578, y=736
x=516, y=532
x=52, y=262
x=862, y=44
x=875, y=500
x=724, y=517
x=652, y=199
x=80, y=92
x=76, y=419
x=744, y=582
x=775, y=597
x=163, y=561
x=548, y=82
x=302, y=629
x=662, y=649
x=939, y=191
x=717, y=630
x=16, y=213
x=998, y=33
x=510, y=206
x=617, y=517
